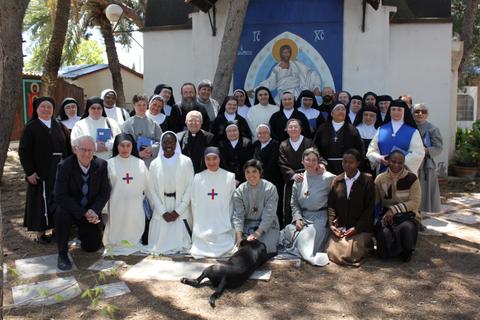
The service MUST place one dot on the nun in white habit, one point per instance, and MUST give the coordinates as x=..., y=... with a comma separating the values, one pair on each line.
x=171, y=174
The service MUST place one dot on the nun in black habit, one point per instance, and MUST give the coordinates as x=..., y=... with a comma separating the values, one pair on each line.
x=336, y=136
x=44, y=143
x=279, y=119
x=307, y=104
x=229, y=112
x=170, y=109
x=353, y=110
x=366, y=126
x=235, y=150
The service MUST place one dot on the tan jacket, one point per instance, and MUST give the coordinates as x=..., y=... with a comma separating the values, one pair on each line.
x=401, y=194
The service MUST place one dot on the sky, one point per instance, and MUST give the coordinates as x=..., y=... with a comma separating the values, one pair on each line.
x=130, y=57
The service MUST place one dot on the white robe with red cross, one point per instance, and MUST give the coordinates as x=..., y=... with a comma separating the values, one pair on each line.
x=212, y=209
x=126, y=217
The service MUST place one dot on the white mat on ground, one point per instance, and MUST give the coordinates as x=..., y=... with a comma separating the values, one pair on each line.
x=32, y=267
x=464, y=216
x=120, y=251
x=106, y=265
x=156, y=269
x=113, y=289
x=46, y=292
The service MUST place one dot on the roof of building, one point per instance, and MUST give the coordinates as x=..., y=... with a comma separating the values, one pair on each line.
x=77, y=71
x=168, y=14
x=408, y=10
x=175, y=14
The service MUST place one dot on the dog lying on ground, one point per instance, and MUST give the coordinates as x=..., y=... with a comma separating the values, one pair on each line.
x=234, y=272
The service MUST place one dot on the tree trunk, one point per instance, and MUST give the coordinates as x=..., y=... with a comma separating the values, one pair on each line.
x=11, y=63
x=229, y=47
x=468, y=26
x=55, y=48
x=113, y=62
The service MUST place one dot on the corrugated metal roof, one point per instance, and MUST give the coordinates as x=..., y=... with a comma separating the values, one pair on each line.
x=72, y=72
x=77, y=71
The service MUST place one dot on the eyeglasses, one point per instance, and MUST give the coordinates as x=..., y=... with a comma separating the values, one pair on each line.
x=420, y=111
x=95, y=108
x=85, y=150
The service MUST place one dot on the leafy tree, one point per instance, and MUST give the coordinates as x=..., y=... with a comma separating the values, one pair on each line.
x=84, y=14
x=90, y=52
x=466, y=26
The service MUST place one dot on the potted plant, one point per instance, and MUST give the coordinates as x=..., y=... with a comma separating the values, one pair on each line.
x=466, y=161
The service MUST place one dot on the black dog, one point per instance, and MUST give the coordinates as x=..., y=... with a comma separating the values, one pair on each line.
x=234, y=272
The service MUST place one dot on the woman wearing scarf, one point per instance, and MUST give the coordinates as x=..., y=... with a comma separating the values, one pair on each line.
x=44, y=143
x=262, y=110
x=128, y=176
x=174, y=116
x=334, y=137
x=171, y=174
x=398, y=133
x=69, y=113
x=235, y=150
x=353, y=110
x=229, y=112
x=399, y=194
x=243, y=102
x=94, y=123
x=367, y=129
x=307, y=104
x=427, y=174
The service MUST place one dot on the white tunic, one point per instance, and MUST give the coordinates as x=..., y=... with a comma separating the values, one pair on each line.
x=170, y=237
x=126, y=218
x=212, y=209
x=89, y=126
x=260, y=114
x=69, y=123
x=117, y=114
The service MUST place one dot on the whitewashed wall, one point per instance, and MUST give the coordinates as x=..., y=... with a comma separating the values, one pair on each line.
x=420, y=56
x=190, y=55
x=94, y=83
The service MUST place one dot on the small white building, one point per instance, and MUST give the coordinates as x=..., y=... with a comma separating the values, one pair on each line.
x=94, y=78
x=405, y=48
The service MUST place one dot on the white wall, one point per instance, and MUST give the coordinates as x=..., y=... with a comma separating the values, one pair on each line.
x=94, y=83
x=420, y=65
x=364, y=53
x=168, y=58
x=191, y=55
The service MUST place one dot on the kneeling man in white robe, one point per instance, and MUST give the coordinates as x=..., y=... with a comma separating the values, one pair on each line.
x=212, y=209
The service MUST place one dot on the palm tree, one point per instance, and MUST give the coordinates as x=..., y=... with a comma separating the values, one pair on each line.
x=84, y=14
x=11, y=17
x=55, y=48
x=228, y=50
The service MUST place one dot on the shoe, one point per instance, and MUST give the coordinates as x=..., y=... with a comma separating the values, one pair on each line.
x=407, y=255
x=43, y=239
x=64, y=263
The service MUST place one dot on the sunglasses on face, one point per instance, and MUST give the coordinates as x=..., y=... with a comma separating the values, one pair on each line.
x=420, y=111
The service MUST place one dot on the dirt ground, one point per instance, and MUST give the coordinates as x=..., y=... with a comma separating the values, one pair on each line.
x=441, y=282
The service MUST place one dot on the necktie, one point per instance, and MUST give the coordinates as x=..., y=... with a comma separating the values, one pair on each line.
x=84, y=200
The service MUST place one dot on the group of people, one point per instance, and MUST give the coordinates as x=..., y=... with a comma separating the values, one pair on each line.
x=196, y=177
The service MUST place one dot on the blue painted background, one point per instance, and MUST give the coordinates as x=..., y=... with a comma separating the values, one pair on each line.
x=266, y=19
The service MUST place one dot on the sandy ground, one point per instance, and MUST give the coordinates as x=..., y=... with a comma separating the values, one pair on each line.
x=441, y=282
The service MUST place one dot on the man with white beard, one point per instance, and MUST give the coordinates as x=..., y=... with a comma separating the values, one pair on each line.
x=188, y=103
